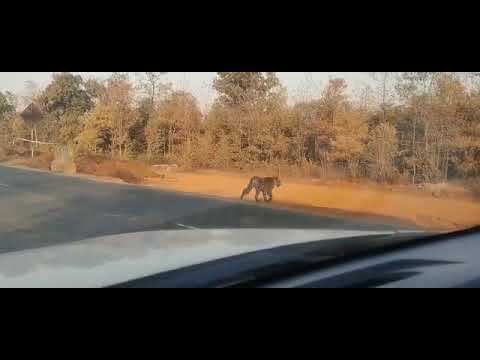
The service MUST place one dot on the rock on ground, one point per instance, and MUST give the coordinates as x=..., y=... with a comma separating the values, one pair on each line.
x=164, y=168
x=63, y=161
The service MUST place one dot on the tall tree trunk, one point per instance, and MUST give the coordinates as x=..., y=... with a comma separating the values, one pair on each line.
x=32, y=144
x=414, y=151
x=426, y=137
x=35, y=132
x=384, y=96
x=446, y=166
x=170, y=141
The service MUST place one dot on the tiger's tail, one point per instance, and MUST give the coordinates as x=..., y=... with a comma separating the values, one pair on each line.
x=247, y=190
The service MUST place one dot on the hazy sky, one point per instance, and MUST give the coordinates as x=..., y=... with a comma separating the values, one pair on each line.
x=200, y=83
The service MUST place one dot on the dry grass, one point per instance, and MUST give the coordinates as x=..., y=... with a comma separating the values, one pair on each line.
x=3, y=154
x=473, y=185
x=40, y=161
x=129, y=171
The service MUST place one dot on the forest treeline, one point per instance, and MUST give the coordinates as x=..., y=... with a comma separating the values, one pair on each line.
x=410, y=127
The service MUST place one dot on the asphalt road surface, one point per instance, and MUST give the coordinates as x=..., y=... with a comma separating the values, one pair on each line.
x=40, y=209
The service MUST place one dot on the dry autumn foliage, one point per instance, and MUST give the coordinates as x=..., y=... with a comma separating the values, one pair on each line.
x=419, y=127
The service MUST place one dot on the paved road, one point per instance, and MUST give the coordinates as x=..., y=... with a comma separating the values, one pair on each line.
x=39, y=209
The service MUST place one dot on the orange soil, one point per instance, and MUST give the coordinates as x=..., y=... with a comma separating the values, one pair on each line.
x=422, y=209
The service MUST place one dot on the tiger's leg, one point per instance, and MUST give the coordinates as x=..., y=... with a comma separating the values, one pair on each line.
x=270, y=195
x=246, y=191
x=256, y=195
x=265, y=198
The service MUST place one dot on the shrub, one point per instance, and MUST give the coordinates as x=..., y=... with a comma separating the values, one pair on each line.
x=127, y=176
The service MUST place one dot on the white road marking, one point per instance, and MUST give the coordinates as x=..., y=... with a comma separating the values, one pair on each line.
x=4, y=185
x=186, y=226
x=128, y=216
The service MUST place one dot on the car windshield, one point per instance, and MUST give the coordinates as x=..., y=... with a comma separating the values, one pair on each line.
x=252, y=160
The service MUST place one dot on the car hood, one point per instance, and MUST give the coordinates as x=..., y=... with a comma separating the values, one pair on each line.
x=110, y=260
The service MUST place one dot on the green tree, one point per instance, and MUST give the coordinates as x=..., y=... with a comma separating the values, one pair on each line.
x=66, y=94
x=7, y=104
x=150, y=83
x=97, y=132
x=241, y=122
x=95, y=89
x=138, y=140
x=107, y=128
x=246, y=88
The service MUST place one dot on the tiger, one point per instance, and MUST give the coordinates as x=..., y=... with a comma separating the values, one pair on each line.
x=262, y=185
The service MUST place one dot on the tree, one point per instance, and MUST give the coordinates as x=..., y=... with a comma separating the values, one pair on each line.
x=467, y=141
x=12, y=128
x=97, y=134
x=175, y=123
x=138, y=141
x=320, y=116
x=427, y=131
x=119, y=97
x=246, y=88
x=152, y=90
x=30, y=93
x=298, y=129
x=7, y=104
x=66, y=94
x=381, y=152
x=415, y=89
x=223, y=136
x=240, y=123
x=64, y=102
x=95, y=89
x=348, y=147
x=333, y=99
x=437, y=104
x=108, y=127
x=385, y=91
x=151, y=84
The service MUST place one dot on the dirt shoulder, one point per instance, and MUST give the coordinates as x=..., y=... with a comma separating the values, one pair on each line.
x=451, y=211
x=399, y=202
